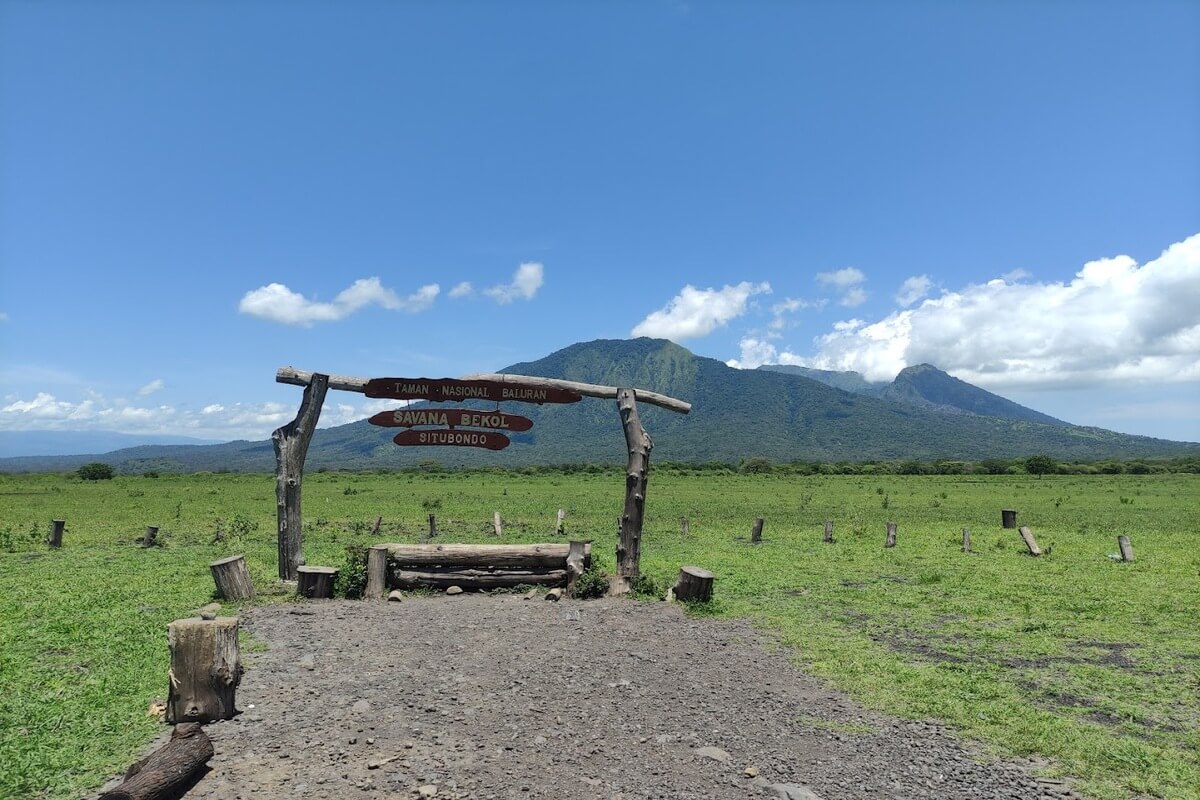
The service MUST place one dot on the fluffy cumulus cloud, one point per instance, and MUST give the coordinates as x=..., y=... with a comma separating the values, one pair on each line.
x=278, y=303
x=525, y=283
x=463, y=289
x=151, y=387
x=913, y=289
x=698, y=312
x=1115, y=322
x=848, y=283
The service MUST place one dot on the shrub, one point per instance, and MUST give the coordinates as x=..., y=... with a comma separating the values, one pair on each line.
x=97, y=471
x=352, y=578
x=591, y=584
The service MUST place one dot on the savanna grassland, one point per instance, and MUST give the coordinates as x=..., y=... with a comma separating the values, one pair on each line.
x=1088, y=663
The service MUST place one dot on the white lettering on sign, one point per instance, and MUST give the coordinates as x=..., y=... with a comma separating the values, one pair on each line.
x=412, y=388
x=513, y=393
x=404, y=417
x=463, y=391
x=452, y=437
x=483, y=420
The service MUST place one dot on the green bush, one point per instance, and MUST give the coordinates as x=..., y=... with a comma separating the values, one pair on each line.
x=96, y=471
x=591, y=584
x=352, y=578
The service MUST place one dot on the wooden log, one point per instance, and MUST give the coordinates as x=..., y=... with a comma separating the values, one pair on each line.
x=1030, y=542
x=891, y=535
x=559, y=523
x=756, y=531
x=685, y=527
x=828, y=537
x=205, y=669
x=694, y=583
x=638, y=444
x=232, y=578
x=576, y=555
x=316, y=583
x=476, y=579
x=150, y=537
x=291, y=448
x=1008, y=518
x=1126, y=548
x=500, y=556
x=966, y=547
x=57, y=526
x=377, y=558
x=168, y=770
x=432, y=525
x=497, y=527
x=378, y=525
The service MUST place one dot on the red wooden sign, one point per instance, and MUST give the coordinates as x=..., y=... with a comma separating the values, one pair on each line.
x=443, y=389
x=452, y=438
x=465, y=417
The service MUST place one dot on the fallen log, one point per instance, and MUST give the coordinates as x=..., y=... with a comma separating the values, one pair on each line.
x=516, y=556
x=168, y=769
x=476, y=579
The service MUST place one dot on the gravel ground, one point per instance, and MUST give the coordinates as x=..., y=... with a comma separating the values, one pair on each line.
x=500, y=697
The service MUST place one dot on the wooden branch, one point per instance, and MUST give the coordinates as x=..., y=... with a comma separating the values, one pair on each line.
x=639, y=445
x=376, y=572
x=169, y=769
x=291, y=447
x=205, y=669
x=348, y=383
x=499, y=556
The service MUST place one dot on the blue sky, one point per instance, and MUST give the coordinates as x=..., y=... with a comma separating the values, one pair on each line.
x=194, y=194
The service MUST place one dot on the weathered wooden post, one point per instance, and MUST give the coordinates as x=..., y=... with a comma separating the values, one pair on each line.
x=316, y=583
x=378, y=524
x=693, y=583
x=828, y=537
x=559, y=523
x=1008, y=518
x=576, y=554
x=205, y=669
x=497, y=526
x=1030, y=542
x=966, y=540
x=150, y=538
x=756, y=531
x=432, y=525
x=639, y=445
x=169, y=769
x=376, y=572
x=232, y=578
x=57, y=526
x=1126, y=548
x=891, y=535
x=291, y=447
x=684, y=527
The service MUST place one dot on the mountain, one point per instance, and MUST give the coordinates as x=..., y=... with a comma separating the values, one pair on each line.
x=55, y=443
x=846, y=381
x=736, y=414
x=926, y=385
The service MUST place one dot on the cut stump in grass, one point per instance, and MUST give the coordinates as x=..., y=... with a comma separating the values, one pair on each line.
x=376, y=572
x=828, y=537
x=205, y=669
x=1008, y=518
x=57, y=526
x=560, y=522
x=169, y=769
x=685, y=527
x=497, y=525
x=150, y=537
x=694, y=583
x=1126, y=548
x=966, y=547
x=232, y=578
x=1030, y=542
x=316, y=583
x=891, y=535
x=756, y=531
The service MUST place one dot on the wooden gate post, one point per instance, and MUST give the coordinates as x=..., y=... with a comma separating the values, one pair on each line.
x=639, y=445
x=291, y=447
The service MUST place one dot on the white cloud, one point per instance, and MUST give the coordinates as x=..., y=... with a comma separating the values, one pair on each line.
x=756, y=352
x=1115, y=323
x=698, y=312
x=462, y=289
x=848, y=281
x=278, y=303
x=526, y=281
x=3, y=316
x=788, y=306
x=151, y=387
x=913, y=289
x=854, y=296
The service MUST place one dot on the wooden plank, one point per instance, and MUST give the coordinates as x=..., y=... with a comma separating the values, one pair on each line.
x=350, y=383
x=456, y=391
x=452, y=438
x=457, y=417
x=523, y=556
x=477, y=578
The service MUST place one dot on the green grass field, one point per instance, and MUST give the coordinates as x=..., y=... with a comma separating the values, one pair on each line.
x=1091, y=664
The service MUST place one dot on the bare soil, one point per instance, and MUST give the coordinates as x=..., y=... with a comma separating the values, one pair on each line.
x=500, y=697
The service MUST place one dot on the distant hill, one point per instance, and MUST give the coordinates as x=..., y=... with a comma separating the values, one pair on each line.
x=846, y=381
x=736, y=414
x=926, y=385
x=53, y=443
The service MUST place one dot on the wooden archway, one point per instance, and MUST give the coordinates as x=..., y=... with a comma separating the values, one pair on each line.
x=291, y=449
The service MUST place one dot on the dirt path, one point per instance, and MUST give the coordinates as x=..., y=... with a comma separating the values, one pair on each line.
x=500, y=697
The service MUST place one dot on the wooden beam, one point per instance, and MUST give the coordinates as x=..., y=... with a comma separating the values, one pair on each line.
x=349, y=383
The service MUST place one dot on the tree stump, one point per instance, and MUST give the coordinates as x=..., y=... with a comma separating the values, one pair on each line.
x=559, y=523
x=376, y=572
x=576, y=556
x=169, y=769
x=1008, y=518
x=966, y=540
x=150, y=538
x=232, y=578
x=316, y=583
x=432, y=525
x=57, y=526
x=378, y=524
x=685, y=527
x=828, y=538
x=891, y=535
x=205, y=669
x=756, y=531
x=1030, y=542
x=497, y=527
x=694, y=583
x=1126, y=548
